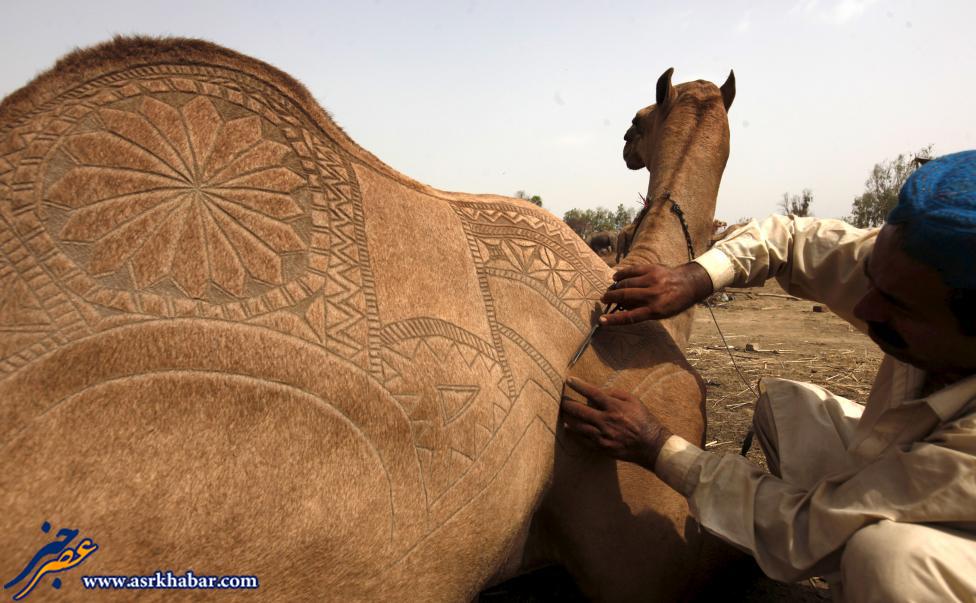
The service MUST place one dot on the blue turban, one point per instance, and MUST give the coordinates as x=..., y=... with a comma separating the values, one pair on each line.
x=937, y=212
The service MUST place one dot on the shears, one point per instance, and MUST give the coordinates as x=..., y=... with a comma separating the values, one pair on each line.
x=609, y=309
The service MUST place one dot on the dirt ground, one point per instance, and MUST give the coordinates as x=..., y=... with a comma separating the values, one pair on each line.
x=769, y=334
x=774, y=335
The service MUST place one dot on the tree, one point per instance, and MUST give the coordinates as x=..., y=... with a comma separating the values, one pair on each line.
x=882, y=186
x=536, y=199
x=797, y=205
x=579, y=222
x=623, y=216
x=585, y=222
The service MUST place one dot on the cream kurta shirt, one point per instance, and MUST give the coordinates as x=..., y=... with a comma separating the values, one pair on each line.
x=908, y=459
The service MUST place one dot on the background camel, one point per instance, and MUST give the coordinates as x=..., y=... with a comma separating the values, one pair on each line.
x=236, y=342
x=602, y=241
x=720, y=228
x=624, y=238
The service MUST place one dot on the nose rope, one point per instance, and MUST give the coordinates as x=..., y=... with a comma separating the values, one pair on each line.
x=680, y=214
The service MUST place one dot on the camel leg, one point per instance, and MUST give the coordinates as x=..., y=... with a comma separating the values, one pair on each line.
x=617, y=551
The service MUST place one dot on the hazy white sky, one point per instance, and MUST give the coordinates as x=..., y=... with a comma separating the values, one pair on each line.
x=500, y=96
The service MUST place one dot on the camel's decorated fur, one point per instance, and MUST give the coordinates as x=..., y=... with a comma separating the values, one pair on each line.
x=232, y=341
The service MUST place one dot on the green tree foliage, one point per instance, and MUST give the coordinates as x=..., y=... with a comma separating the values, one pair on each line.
x=536, y=199
x=882, y=186
x=585, y=222
x=624, y=215
x=797, y=205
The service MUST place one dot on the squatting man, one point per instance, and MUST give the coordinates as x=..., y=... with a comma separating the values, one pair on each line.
x=880, y=499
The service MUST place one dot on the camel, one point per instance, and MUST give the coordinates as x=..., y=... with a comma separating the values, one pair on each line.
x=624, y=239
x=602, y=241
x=720, y=228
x=235, y=342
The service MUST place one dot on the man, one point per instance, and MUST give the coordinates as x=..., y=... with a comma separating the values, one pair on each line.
x=881, y=499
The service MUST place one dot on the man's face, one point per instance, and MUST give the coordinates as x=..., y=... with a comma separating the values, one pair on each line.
x=908, y=314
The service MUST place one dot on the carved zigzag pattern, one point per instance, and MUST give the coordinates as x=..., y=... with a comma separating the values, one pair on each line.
x=440, y=384
x=35, y=315
x=340, y=314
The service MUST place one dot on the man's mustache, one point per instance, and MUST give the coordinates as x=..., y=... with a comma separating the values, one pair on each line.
x=883, y=332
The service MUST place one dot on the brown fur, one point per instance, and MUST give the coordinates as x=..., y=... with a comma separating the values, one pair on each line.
x=309, y=367
x=602, y=241
x=624, y=239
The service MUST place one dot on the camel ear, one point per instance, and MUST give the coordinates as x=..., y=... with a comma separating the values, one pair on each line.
x=665, y=91
x=728, y=90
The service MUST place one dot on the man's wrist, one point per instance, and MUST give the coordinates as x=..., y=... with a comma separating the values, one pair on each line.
x=698, y=280
x=675, y=463
x=655, y=438
x=716, y=263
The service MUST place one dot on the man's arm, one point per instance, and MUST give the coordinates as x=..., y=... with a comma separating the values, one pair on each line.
x=795, y=533
x=792, y=532
x=820, y=260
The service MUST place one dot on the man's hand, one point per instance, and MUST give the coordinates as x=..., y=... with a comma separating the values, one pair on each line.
x=652, y=291
x=616, y=423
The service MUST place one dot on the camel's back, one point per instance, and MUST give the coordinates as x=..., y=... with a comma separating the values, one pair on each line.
x=232, y=341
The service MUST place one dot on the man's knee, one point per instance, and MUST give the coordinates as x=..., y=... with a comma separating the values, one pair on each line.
x=891, y=562
x=870, y=562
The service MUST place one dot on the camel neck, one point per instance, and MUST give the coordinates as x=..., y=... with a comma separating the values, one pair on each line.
x=691, y=180
x=661, y=238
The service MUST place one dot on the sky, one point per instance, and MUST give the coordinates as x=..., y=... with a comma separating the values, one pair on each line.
x=501, y=96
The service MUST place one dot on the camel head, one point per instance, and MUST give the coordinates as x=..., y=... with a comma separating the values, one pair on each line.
x=683, y=141
x=676, y=108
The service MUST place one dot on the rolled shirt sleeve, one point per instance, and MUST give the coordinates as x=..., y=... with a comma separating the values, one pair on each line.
x=816, y=259
x=795, y=533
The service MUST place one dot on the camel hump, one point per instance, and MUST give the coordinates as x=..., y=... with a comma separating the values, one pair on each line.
x=74, y=72
x=167, y=178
